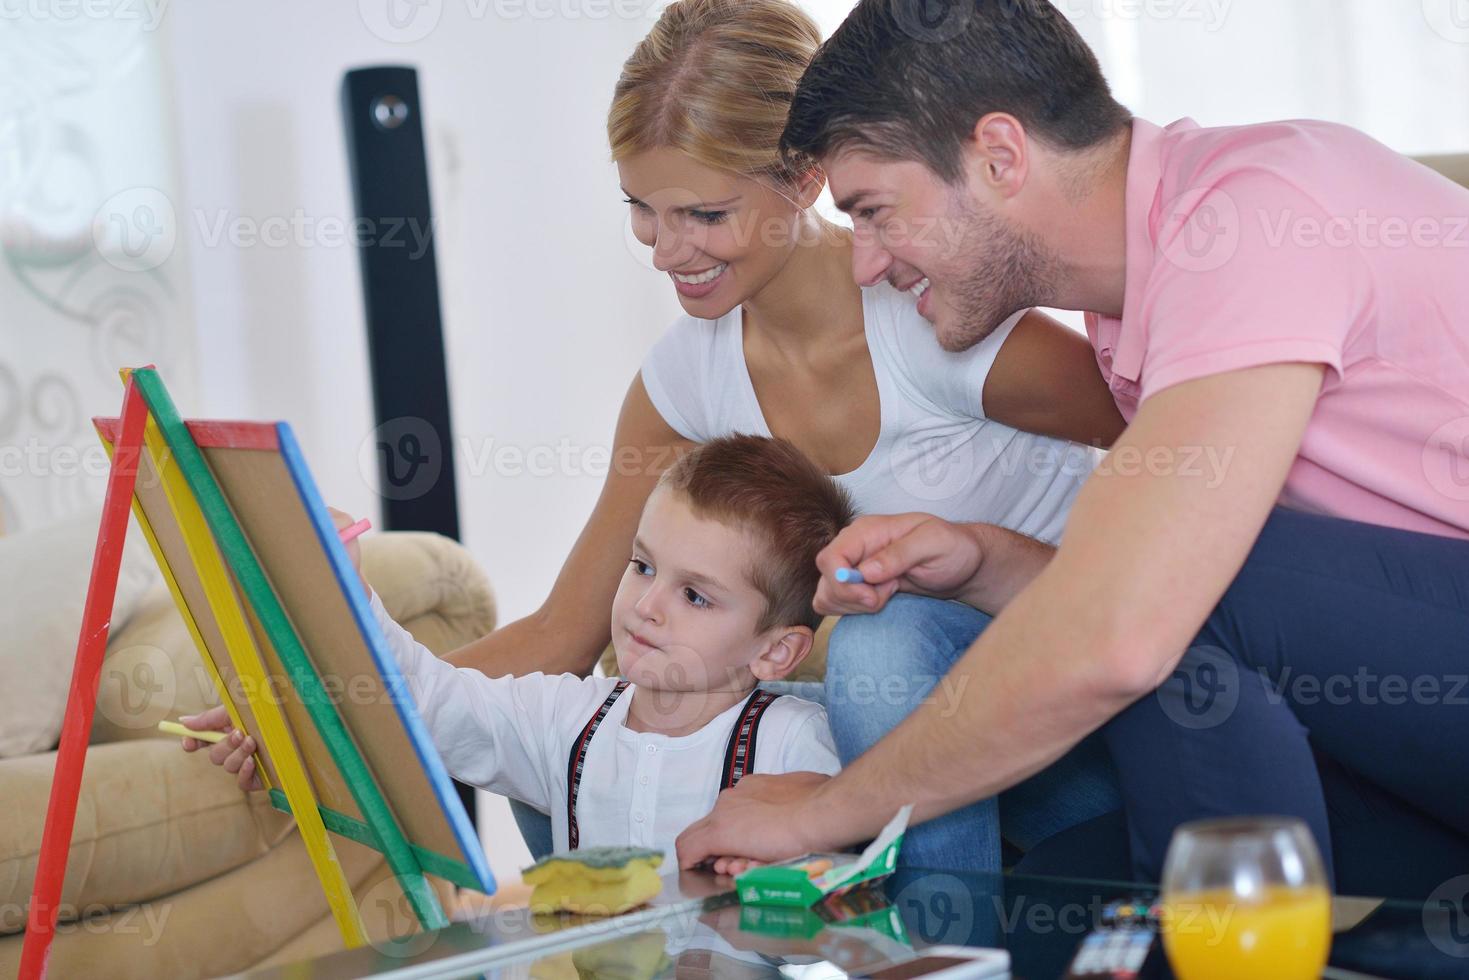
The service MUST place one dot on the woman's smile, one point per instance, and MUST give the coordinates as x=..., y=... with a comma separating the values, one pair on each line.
x=696, y=285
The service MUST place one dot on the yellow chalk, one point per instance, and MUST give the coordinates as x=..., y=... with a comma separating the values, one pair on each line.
x=174, y=728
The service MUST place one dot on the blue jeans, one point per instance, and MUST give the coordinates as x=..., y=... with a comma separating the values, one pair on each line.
x=880, y=667
x=535, y=827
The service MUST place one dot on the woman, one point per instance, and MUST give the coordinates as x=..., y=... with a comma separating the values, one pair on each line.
x=779, y=340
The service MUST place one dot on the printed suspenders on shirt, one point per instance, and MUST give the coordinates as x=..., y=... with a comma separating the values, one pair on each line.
x=739, y=754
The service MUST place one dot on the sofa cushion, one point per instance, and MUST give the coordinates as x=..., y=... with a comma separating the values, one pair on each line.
x=270, y=909
x=43, y=576
x=151, y=819
x=152, y=672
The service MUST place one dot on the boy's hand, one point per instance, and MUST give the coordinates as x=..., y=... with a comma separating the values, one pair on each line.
x=236, y=753
x=916, y=553
x=354, y=549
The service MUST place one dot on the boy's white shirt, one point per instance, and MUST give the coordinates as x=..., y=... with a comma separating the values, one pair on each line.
x=513, y=736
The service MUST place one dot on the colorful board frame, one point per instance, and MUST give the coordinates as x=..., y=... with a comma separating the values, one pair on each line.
x=370, y=764
x=199, y=580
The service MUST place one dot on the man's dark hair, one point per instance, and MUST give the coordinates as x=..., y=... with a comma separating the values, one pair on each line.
x=908, y=80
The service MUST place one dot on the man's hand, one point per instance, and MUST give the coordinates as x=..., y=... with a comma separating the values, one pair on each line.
x=764, y=818
x=916, y=553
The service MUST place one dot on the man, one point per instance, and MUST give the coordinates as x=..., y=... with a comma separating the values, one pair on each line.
x=1282, y=314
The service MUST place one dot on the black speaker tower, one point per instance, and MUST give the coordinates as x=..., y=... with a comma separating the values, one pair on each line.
x=400, y=287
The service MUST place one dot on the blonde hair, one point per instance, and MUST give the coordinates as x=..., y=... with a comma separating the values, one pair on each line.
x=714, y=79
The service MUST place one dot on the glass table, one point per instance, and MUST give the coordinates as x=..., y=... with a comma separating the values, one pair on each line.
x=697, y=929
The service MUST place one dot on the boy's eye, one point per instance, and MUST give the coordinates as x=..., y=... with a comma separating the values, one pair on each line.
x=694, y=598
x=641, y=567
x=865, y=214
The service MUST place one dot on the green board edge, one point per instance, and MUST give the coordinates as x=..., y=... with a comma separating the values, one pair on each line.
x=351, y=828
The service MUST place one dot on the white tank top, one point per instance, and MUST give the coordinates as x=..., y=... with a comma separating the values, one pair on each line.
x=936, y=452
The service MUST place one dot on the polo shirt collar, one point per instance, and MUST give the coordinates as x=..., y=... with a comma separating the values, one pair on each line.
x=1144, y=187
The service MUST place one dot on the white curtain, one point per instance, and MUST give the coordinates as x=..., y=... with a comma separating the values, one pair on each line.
x=90, y=280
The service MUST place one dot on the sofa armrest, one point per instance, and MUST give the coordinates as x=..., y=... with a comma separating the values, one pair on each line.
x=150, y=819
x=1454, y=166
x=432, y=586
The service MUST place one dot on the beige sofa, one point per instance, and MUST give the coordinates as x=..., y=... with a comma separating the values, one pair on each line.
x=174, y=872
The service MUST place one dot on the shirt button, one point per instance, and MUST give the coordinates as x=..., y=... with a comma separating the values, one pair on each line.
x=652, y=749
x=644, y=780
x=638, y=817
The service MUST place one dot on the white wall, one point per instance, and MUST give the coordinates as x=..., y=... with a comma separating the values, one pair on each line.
x=1398, y=71
x=546, y=312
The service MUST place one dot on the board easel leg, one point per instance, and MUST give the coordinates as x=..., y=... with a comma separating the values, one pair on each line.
x=81, y=699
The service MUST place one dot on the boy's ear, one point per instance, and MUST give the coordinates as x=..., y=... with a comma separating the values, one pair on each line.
x=784, y=651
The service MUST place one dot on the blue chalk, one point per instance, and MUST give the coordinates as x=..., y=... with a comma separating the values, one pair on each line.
x=849, y=575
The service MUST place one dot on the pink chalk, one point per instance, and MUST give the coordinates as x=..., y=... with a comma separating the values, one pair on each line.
x=353, y=530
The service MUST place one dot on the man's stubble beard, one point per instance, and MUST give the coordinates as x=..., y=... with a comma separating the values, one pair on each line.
x=999, y=269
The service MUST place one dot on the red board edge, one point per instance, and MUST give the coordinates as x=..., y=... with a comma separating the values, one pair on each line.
x=210, y=434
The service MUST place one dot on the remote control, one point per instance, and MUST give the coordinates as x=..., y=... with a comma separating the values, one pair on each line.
x=1120, y=943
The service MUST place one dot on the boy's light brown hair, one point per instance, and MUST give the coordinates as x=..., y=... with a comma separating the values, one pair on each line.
x=771, y=489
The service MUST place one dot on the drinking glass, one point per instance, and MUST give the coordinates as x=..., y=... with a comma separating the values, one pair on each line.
x=1245, y=897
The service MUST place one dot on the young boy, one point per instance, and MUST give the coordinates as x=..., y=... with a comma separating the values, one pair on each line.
x=716, y=599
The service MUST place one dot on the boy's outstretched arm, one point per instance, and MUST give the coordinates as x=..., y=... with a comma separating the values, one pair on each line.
x=490, y=731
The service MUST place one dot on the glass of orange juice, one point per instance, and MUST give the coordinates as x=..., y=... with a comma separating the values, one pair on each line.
x=1245, y=897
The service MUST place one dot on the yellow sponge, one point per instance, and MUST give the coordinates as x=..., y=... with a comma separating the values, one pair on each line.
x=595, y=880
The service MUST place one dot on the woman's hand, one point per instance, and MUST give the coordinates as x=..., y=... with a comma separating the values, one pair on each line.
x=916, y=553
x=236, y=753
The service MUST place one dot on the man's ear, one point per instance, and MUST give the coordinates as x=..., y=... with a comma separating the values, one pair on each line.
x=997, y=158
x=786, y=647
x=809, y=187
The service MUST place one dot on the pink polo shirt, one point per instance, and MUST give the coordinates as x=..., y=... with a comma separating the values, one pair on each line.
x=1307, y=242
